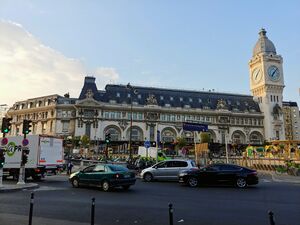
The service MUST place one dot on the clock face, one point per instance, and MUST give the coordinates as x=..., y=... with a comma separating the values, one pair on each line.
x=273, y=73
x=256, y=75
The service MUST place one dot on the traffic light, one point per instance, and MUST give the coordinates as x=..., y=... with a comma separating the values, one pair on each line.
x=2, y=158
x=24, y=158
x=6, y=125
x=26, y=126
x=107, y=138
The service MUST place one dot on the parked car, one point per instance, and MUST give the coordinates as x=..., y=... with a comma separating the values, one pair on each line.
x=167, y=170
x=106, y=176
x=220, y=174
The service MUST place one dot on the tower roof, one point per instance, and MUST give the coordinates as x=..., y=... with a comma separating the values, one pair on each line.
x=263, y=44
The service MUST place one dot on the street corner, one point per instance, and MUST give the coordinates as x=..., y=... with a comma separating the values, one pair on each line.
x=18, y=187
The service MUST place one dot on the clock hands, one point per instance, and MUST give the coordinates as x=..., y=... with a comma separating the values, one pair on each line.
x=273, y=73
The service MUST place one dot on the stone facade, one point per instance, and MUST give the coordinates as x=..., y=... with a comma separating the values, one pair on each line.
x=267, y=84
x=157, y=114
x=291, y=120
x=50, y=115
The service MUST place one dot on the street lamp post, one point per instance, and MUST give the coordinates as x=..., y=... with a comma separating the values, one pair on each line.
x=132, y=91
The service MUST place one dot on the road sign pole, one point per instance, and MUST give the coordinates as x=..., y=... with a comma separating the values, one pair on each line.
x=1, y=177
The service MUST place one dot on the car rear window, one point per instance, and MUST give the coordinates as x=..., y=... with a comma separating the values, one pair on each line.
x=117, y=168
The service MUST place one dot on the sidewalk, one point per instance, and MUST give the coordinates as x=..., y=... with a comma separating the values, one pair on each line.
x=15, y=187
x=284, y=178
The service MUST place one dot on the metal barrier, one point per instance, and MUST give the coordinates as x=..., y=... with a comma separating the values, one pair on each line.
x=269, y=164
x=170, y=212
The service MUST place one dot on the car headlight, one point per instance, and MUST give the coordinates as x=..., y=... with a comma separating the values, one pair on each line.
x=73, y=174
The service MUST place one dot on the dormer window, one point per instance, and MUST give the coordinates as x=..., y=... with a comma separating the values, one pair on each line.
x=128, y=95
x=118, y=94
x=181, y=99
x=139, y=96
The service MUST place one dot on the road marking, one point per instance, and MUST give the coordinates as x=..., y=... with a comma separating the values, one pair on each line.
x=49, y=188
x=266, y=181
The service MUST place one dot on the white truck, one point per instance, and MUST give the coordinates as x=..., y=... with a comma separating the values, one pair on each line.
x=46, y=153
x=152, y=152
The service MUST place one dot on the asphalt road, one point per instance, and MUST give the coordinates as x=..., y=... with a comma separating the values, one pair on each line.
x=56, y=202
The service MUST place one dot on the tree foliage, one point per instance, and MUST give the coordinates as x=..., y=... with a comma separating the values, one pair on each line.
x=181, y=142
x=204, y=137
x=85, y=140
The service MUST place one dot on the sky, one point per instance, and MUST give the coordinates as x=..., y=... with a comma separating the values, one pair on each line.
x=48, y=47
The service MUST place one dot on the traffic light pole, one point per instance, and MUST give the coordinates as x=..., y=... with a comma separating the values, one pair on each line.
x=21, y=173
x=1, y=177
x=22, y=169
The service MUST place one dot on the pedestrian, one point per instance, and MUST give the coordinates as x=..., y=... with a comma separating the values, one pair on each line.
x=69, y=166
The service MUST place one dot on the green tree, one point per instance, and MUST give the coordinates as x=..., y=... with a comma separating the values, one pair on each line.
x=181, y=142
x=204, y=137
x=85, y=140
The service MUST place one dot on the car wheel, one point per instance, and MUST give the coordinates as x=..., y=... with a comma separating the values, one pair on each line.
x=192, y=182
x=241, y=183
x=126, y=187
x=75, y=182
x=105, y=185
x=148, y=177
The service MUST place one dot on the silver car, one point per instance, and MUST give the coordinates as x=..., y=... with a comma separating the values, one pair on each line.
x=167, y=170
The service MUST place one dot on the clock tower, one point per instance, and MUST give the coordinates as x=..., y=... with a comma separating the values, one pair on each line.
x=267, y=83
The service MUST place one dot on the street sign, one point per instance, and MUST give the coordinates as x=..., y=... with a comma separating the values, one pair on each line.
x=25, y=142
x=195, y=127
x=147, y=144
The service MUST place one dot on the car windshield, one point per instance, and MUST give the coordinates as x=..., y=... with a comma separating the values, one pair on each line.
x=193, y=163
x=117, y=168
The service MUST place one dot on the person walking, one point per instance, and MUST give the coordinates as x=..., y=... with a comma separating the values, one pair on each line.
x=69, y=167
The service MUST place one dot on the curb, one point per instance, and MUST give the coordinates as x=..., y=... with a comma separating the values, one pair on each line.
x=284, y=181
x=15, y=188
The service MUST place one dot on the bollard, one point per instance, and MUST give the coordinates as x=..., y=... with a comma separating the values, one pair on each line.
x=93, y=212
x=31, y=208
x=271, y=218
x=170, y=214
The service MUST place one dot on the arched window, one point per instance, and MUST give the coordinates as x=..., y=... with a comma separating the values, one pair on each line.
x=115, y=133
x=256, y=138
x=168, y=135
x=136, y=134
x=238, y=137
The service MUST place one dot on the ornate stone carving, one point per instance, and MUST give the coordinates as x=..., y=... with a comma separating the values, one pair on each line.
x=151, y=100
x=152, y=116
x=223, y=119
x=89, y=93
x=221, y=105
x=178, y=128
x=123, y=124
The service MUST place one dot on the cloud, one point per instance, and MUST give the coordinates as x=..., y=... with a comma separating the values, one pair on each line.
x=30, y=69
x=106, y=75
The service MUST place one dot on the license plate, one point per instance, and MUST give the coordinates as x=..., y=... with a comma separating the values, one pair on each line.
x=126, y=176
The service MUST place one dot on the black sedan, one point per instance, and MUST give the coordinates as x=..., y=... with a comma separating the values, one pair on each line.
x=105, y=176
x=225, y=174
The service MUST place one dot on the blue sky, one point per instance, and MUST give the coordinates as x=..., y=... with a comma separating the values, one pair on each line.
x=175, y=44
